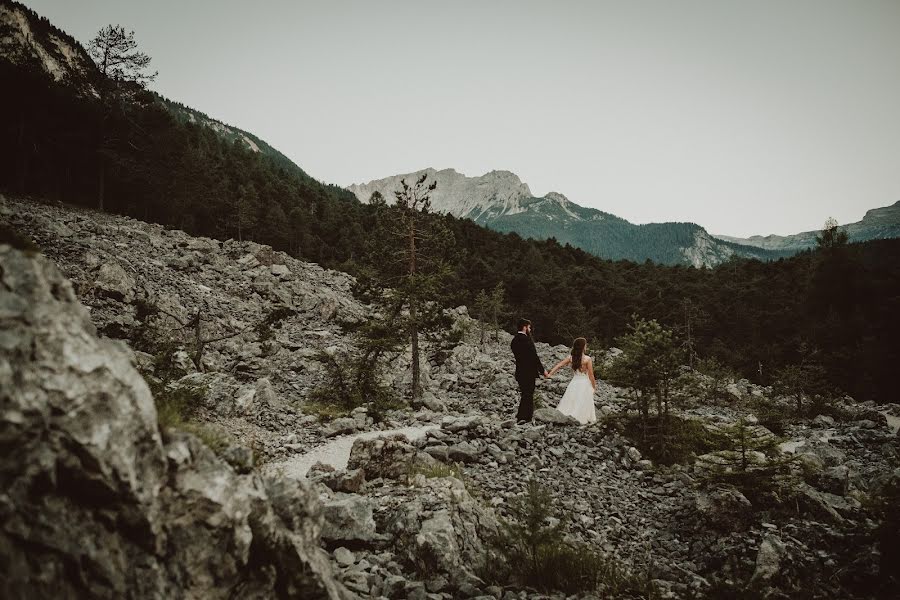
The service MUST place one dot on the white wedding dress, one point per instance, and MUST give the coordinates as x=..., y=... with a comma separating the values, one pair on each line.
x=578, y=401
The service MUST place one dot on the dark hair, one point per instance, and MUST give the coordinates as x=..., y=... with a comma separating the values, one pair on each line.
x=578, y=352
x=522, y=324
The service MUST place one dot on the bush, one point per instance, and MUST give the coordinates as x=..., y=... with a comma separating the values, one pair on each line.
x=175, y=405
x=264, y=328
x=436, y=470
x=684, y=439
x=773, y=416
x=533, y=553
x=349, y=386
x=216, y=439
x=323, y=407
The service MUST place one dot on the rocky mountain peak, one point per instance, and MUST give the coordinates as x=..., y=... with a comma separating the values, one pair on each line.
x=26, y=39
x=494, y=193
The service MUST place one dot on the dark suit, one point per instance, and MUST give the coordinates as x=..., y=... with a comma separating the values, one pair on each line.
x=528, y=368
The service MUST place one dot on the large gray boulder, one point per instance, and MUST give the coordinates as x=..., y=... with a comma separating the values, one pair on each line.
x=442, y=531
x=553, y=416
x=348, y=518
x=723, y=507
x=112, y=280
x=391, y=457
x=94, y=504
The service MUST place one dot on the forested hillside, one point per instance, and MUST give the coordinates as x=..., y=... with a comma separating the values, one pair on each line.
x=837, y=309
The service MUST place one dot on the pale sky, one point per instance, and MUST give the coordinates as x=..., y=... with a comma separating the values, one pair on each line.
x=747, y=117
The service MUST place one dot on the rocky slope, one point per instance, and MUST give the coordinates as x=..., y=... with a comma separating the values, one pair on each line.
x=96, y=504
x=876, y=224
x=400, y=521
x=501, y=201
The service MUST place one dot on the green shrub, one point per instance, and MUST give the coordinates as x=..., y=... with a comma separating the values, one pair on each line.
x=215, y=438
x=773, y=416
x=266, y=326
x=175, y=405
x=323, y=408
x=533, y=553
x=350, y=385
x=679, y=442
x=437, y=470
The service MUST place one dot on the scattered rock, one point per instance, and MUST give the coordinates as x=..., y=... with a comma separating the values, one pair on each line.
x=723, y=507
x=553, y=416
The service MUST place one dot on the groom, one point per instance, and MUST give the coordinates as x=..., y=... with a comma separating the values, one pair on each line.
x=528, y=368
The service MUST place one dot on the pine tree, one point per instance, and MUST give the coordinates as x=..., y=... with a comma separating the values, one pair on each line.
x=122, y=69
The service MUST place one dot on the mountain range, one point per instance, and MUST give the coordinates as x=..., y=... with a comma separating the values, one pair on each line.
x=498, y=200
x=876, y=224
x=501, y=201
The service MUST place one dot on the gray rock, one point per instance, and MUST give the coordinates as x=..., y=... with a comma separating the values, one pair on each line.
x=768, y=559
x=823, y=421
x=835, y=480
x=463, y=452
x=341, y=426
x=723, y=507
x=348, y=518
x=826, y=506
x=431, y=402
x=280, y=271
x=239, y=457
x=456, y=424
x=119, y=514
x=553, y=416
x=390, y=457
x=350, y=481
x=113, y=281
x=344, y=557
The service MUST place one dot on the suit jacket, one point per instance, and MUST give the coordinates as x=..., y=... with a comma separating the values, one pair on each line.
x=527, y=362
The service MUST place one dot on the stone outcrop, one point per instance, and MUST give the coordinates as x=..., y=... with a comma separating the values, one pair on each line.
x=95, y=503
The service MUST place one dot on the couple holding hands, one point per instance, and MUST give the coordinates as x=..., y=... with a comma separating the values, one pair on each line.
x=578, y=399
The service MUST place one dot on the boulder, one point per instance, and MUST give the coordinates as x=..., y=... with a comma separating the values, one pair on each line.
x=457, y=424
x=94, y=504
x=280, y=271
x=723, y=508
x=342, y=480
x=442, y=530
x=463, y=452
x=390, y=457
x=348, y=518
x=113, y=281
x=341, y=426
x=826, y=506
x=553, y=416
x=834, y=480
x=768, y=559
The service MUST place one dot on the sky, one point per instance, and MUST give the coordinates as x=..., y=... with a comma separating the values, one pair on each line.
x=745, y=117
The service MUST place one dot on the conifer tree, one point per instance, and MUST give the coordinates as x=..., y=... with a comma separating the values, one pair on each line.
x=122, y=69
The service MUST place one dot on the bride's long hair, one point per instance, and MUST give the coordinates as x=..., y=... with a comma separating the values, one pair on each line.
x=578, y=352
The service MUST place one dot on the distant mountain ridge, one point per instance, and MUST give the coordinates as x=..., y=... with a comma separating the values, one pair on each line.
x=501, y=201
x=877, y=223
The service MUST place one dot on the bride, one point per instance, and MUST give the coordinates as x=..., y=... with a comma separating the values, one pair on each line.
x=578, y=401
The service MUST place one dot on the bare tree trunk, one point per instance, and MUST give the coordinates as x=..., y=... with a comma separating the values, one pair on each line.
x=413, y=311
x=101, y=181
x=23, y=152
